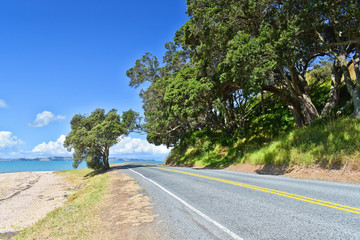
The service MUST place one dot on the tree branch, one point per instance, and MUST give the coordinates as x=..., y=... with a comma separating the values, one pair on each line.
x=165, y=133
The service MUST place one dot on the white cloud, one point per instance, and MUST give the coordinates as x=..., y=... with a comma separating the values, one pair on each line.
x=44, y=118
x=3, y=104
x=130, y=145
x=7, y=139
x=52, y=148
x=127, y=146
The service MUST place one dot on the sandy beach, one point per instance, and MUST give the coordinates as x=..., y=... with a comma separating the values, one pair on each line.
x=26, y=197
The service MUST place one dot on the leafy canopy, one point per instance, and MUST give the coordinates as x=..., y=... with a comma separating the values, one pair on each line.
x=92, y=136
x=242, y=67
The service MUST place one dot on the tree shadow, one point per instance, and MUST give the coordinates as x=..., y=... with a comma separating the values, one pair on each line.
x=127, y=166
x=8, y=235
x=274, y=170
x=95, y=172
x=113, y=168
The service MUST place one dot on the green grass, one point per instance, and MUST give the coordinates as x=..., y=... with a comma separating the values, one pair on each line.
x=328, y=145
x=325, y=144
x=77, y=219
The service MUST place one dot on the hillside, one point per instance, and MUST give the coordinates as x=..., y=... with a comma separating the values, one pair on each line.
x=329, y=145
x=269, y=93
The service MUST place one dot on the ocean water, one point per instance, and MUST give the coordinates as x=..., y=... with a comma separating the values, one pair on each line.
x=27, y=166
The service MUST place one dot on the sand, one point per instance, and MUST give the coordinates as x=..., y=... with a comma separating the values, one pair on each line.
x=26, y=197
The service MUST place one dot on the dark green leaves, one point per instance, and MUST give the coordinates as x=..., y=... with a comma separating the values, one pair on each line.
x=232, y=53
x=92, y=136
x=145, y=69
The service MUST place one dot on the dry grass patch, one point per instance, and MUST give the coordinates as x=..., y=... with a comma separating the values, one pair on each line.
x=127, y=212
x=105, y=206
x=77, y=219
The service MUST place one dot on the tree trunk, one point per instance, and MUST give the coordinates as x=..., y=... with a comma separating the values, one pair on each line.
x=106, y=158
x=298, y=116
x=356, y=98
x=308, y=108
x=343, y=109
x=298, y=89
x=353, y=88
x=293, y=105
x=334, y=93
x=302, y=93
x=262, y=102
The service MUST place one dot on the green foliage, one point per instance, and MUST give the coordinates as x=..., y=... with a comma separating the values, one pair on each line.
x=186, y=96
x=259, y=143
x=244, y=71
x=145, y=69
x=92, y=136
x=320, y=81
x=204, y=147
x=274, y=120
x=327, y=144
x=251, y=61
x=161, y=126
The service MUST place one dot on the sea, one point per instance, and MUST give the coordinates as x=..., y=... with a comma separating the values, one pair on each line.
x=7, y=166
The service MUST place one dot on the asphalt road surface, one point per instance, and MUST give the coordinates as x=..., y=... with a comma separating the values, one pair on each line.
x=220, y=204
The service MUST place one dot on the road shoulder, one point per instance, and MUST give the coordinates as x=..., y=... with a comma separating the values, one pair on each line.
x=127, y=212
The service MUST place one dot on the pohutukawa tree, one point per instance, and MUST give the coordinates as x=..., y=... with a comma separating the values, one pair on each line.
x=92, y=136
x=231, y=52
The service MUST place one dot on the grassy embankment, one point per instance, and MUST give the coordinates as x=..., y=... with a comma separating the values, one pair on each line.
x=325, y=144
x=78, y=218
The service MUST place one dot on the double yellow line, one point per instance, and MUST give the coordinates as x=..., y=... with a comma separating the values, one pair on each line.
x=276, y=192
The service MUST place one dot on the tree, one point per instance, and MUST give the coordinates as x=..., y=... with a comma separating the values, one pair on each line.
x=167, y=115
x=232, y=53
x=92, y=136
x=255, y=45
x=337, y=28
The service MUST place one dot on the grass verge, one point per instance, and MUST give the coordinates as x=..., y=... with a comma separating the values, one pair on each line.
x=77, y=219
x=328, y=145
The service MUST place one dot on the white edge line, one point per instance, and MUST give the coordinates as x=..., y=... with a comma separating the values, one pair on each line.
x=224, y=229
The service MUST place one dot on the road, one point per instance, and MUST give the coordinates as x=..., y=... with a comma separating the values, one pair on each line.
x=221, y=204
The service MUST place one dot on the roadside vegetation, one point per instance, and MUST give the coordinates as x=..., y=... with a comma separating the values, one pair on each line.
x=263, y=82
x=78, y=218
x=328, y=144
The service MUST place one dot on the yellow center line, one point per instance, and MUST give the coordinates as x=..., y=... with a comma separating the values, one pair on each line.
x=276, y=192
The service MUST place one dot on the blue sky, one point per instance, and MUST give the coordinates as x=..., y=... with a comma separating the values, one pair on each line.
x=60, y=58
